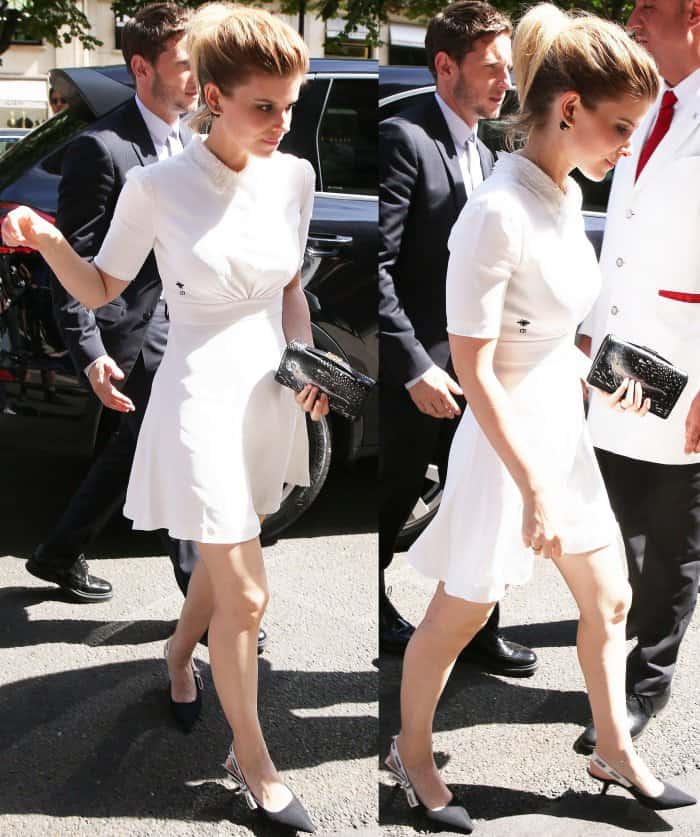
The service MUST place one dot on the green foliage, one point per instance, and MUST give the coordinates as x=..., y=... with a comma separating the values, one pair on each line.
x=368, y=13
x=59, y=21
x=618, y=10
x=55, y=21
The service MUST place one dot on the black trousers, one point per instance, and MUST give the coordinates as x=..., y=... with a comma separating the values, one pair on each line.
x=103, y=491
x=410, y=441
x=658, y=509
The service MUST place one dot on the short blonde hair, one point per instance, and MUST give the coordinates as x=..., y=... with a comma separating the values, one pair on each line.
x=228, y=43
x=554, y=52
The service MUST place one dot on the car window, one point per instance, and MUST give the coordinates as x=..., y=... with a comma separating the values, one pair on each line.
x=395, y=103
x=347, y=139
x=49, y=136
x=302, y=137
x=5, y=143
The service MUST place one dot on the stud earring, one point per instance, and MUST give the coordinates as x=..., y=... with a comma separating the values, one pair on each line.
x=564, y=125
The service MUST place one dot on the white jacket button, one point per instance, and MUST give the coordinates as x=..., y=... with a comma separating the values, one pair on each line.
x=619, y=262
x=614, y=310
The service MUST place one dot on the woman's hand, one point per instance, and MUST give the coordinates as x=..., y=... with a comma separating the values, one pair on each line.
x=313, y=401
x=629, y=398
x=22, y=227
x=539, y=532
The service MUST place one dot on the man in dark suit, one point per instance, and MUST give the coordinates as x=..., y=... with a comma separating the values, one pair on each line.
x=430, y=162
x=118, y=347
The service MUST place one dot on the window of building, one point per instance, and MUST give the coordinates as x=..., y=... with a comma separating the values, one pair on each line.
x=340, y=45
x=20, y=36
x=348, y=138
x=407, y=45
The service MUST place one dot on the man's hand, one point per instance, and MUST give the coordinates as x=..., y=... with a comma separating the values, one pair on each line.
x=692, y=427
x=101, y=373
x=433, y=394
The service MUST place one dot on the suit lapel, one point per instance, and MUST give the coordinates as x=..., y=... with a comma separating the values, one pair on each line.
x=682, y=126
x=140, y=137
x=438, y=130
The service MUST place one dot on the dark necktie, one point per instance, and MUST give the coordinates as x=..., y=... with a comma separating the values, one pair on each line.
x=661, y=126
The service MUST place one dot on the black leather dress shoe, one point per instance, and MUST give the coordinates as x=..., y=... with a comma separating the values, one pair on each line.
x=491, y=652
x=74, y=579
x=394, y=630
x=640, y=710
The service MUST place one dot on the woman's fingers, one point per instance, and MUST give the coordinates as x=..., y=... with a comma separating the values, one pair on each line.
x=313, y=401
x=616, y=399
x=17, y=223
x=629, y=396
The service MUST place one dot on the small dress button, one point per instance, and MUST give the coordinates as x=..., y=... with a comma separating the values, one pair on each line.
x=628, y=213
x=147, y=316
x=614, y=310
x=619, y=262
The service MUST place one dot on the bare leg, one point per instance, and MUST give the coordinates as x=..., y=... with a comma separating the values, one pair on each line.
x=448, y=625
x=598, y=582
x=194, y=620
x=239, y=589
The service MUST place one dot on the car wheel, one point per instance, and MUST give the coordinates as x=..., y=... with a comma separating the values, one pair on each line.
x=296, y=499
x=424, y=510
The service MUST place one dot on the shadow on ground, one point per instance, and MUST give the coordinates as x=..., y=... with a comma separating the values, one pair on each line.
x=487, y=802
x=99, y=742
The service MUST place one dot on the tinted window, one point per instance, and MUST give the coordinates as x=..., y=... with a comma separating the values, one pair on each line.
x=5, y=143
x=35, y=146
x=347, y=139
x=401, y=102
x=595, y=195
x=302, y=138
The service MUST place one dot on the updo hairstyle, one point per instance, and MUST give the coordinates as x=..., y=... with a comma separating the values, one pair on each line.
x=554, y=52
x=229, y=43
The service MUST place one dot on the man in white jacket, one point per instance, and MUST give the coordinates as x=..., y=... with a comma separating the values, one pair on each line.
x=651, y=296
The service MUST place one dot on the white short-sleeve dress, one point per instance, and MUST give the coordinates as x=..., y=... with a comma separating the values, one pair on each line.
x=521, y=270
x=220, y=436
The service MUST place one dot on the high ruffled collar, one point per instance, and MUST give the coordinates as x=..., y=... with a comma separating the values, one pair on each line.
x=224, y=178
x=539, y=182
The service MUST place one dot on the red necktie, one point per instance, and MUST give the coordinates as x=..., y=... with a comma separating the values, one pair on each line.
x=663, y=120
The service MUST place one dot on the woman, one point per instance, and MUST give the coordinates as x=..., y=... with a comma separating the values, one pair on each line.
x=228, y=220
x=522, y=476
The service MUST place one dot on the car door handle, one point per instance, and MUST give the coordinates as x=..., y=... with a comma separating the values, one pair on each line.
x=327, y=245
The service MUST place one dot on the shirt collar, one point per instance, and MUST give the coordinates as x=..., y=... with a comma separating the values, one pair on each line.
x=157, y=127
x=460, y=132
x=687, y=90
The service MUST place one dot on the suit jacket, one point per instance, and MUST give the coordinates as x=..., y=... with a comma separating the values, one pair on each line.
x=651, y=281
x=421, y=193
x=94, y=170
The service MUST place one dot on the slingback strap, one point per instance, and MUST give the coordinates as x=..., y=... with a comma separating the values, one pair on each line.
x=233, y=768
x=199, y=682
x=399, y=773
x=610, y=771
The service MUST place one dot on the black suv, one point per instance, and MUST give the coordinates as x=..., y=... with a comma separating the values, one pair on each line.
x=44, y=407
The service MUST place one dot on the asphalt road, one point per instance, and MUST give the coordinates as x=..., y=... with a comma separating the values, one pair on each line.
x=505, y=744
x=86, y=743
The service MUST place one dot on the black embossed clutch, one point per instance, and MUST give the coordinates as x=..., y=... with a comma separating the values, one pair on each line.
x=347, y=389
x=617, y=360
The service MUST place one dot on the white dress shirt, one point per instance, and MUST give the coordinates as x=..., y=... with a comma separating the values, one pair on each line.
x=464, y=139
x=165, y=136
